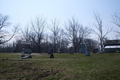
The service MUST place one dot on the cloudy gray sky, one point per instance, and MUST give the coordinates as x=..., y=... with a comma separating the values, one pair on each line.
x=22, y=11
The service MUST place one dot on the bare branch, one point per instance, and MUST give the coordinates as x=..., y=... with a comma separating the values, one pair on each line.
x=116, y=19
x=99, y=27
x=15, y=30
x=38, y=27
x=76, y=32
x=108, y=31
x=54, y=28
x=3, y=21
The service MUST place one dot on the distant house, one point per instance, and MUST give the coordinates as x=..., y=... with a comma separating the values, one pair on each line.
x=112, y=46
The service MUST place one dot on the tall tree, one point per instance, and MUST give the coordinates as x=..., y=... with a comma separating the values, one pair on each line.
x=38, y=27
x=91, y=44
x=54, y=28
x=63, y=41
x=99, y=31
x=72, y=30
x=26, y=34
x=76, y=33
x=4, y=33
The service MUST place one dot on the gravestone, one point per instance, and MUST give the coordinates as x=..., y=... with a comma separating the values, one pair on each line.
x=87, y=53
x=26, y=50
x=71, y=50
x=59, y=50
x=83, y=49
x=51, y=51
x=51, y=55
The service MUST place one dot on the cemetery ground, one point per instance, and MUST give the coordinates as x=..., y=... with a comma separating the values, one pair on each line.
x=104, y=66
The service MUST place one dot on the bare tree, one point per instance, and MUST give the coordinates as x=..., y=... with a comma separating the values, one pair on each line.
x=63, y=41
x=26, y=34
x=99, y=31
x=4, y=33
x=76, y=33
x=38, y=27
x=91, y=44
x=116, y=20
x=54, y=28
x=72, y=30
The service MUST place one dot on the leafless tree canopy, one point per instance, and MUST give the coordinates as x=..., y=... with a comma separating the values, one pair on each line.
x=54, y=28
x=38, y=27
x=3, y=21
x=3, y=24
x=116, y=20
x=99, y=32
x=76, y=33
x=26, y=34
x=61, y=39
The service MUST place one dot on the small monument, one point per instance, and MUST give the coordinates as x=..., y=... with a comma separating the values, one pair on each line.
x=14, y=49
x=51, y=55
x=87, y=53
x=83, y=49
x=51, y=51
x=26, y=50
x=58, y=50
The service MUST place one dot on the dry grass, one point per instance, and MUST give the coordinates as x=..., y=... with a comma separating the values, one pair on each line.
x=62, y=67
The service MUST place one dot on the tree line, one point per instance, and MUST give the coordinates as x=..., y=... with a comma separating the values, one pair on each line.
x=40, y=35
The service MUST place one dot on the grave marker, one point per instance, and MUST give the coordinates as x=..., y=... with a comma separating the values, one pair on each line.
x=26, y=50
x=51, y=51
x=83, y=49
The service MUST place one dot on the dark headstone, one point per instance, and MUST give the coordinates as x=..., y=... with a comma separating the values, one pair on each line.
x=51, y=56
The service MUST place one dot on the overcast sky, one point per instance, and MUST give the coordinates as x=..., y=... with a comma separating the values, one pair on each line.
x=22, y=11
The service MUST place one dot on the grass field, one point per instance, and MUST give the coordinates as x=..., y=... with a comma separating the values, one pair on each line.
x=63, y=67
